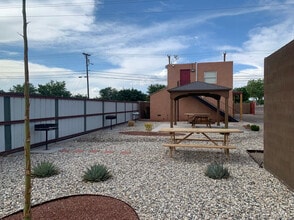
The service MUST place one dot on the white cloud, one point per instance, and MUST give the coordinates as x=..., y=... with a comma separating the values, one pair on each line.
x=241, y=77
x=46, y=21
x=262, y=41
x=12, y=70
x=131, y=49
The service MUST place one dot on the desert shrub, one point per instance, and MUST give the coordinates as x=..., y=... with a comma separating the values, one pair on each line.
x=248, y=126
x=148, y=126
x=131, y=123
x=254, y=128
x=44, y=169
x=96, y=173
x=217, y=171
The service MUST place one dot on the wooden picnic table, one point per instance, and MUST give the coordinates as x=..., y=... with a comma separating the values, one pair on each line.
x=220, y=143
x=199, y=118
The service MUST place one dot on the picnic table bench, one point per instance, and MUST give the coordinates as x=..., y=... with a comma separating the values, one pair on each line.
x=199, y=118
x=219, y=143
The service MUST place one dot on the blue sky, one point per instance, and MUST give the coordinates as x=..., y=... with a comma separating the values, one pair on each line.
x=129, y=40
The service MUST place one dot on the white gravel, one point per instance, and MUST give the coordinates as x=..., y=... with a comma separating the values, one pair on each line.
x=156, y=186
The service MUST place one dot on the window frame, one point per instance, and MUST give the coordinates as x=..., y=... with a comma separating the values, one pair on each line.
x=210, y=79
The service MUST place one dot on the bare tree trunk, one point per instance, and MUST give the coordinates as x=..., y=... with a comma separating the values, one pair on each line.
x=28, y=186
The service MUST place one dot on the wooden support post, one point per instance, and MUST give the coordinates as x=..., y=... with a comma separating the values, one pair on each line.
x=241, y=106
x=171, y=112
x=226, y=112
x=217, y=113
x=175, y=112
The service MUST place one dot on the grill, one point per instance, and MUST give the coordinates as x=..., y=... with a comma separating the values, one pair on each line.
x=110, y=117
x=46, y=128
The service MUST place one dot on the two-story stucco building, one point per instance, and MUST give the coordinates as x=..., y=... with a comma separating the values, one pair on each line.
x=216, y=73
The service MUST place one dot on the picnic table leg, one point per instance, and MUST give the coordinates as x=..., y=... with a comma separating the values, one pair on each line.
x=208, y=123
x=226, y=140
x=173, y=140
x=171, y=151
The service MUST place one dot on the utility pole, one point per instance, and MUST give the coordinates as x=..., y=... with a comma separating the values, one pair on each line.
x=87, y=71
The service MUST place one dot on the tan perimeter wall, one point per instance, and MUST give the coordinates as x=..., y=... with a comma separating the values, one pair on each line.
x=278, y=114
x=245, y=108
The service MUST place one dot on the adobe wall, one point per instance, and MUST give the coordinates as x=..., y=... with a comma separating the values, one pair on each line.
x=190, y=105
x=245, y=108
x=224, y=78
x=224, y=72
x=278, y=114
x=159, y=106
x=160, y=101
x=173, y=70
x=161, y=111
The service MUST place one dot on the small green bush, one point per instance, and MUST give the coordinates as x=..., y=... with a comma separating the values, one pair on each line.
x=44, y=169
x=148, y=126
x=217, y=171
x=96, y=173
x=254, y=128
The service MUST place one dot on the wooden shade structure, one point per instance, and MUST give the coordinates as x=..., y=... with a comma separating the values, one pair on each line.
x=199, y=89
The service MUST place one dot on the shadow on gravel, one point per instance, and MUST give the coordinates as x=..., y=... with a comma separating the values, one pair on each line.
x=207, y=156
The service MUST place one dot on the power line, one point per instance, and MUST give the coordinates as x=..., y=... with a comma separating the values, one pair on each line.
x=139, y=2
x=79, y=4
x=100, y=74
x=150, y=12
x=49, y=5
x=95, y=75
x=202, y=52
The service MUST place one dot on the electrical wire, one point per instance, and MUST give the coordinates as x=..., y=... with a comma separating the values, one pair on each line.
x=94, y=74
x=140, y=12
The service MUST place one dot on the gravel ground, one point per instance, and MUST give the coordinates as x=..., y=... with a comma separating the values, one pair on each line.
x=156, y=186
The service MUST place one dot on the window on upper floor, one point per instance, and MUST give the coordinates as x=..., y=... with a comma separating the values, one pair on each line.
x=210, y=77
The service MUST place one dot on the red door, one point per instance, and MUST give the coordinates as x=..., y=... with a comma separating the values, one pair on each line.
x=184, y=77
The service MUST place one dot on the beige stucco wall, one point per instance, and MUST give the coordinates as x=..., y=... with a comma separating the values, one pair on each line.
x=161, y=110
x=159, y=105
x=278, y=114
x=224, y=78
x=245, y=108
x=173, y=73
x=160, y=101
x=224, y=72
